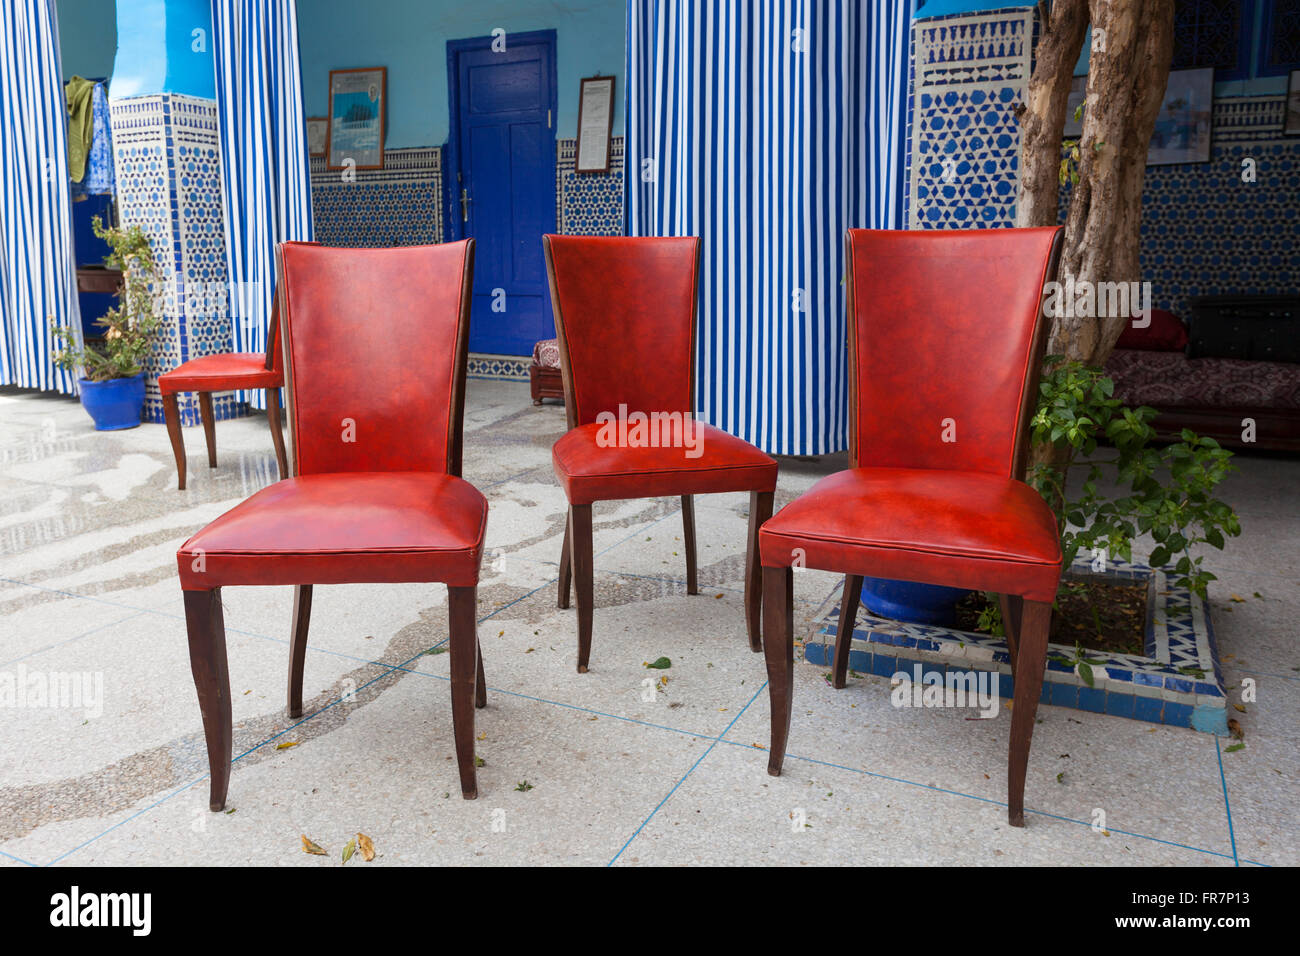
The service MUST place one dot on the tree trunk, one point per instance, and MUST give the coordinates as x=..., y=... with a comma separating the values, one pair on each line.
x=1128, y=70
x=1042, y=117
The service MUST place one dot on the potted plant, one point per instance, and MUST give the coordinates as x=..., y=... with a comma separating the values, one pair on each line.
x=112, y=377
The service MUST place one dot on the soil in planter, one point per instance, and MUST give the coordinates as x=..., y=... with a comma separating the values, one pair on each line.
x=1106, y=616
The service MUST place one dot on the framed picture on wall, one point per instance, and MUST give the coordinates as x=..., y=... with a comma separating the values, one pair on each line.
x=1291, y=126
x=318, y=135
x=358, y=99
x=1182, y=131
x=595, y=124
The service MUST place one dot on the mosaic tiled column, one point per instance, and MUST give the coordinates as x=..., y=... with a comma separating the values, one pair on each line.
x=968, y=74
x=168, y=164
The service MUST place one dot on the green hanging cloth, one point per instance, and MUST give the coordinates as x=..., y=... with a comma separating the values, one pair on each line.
x=81, y=124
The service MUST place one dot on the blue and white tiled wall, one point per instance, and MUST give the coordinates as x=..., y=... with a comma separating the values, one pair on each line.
x=168, y=167
x=1204, y=230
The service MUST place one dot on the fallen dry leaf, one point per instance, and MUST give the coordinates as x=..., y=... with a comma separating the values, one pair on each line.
x=366, y=847
x=287, y=744
x=1234, y=728
x=309, y=847
x=349, y=850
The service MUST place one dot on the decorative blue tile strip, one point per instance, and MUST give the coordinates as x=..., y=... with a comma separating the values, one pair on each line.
x=1177, y=681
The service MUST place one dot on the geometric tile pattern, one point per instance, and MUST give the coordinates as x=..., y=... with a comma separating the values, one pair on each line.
x=590, y=204
x=1207, y=232
x=399, y=205
x=968, y=74
x=168, y=166
x=1177, y=680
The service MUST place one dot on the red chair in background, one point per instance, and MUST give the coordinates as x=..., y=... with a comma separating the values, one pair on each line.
x=225, y=372
x=625, y=315
x=375, y=493
x=946, y=339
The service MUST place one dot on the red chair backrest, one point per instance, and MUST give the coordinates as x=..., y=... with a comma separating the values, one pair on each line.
x=375, y=345
x=625, y=317
x=274, y=355
x=946, y=339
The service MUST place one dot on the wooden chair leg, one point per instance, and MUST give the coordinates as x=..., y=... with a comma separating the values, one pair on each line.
x=480, y=687
x=580, y=542
x=844, y=632
x=463, y=613
x=207, y=636
x=298, y=646
x=1035, y=620
x=688, y=539
x=1012, y=607
x=778, y=643
x=172, y=415
x=760, y=509
x=277, y=430
x=209, y=427
x=566, y=569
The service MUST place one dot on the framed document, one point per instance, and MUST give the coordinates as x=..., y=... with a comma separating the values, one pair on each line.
x=356, y=120
x=595, y=122
x=318, y=135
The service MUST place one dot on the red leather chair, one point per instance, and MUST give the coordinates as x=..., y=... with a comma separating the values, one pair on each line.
x=225, y=372
x=376, y=342
x=625, y=315
x=946, y=338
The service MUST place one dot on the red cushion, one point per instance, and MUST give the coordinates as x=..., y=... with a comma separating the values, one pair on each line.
x=1166, y=333
x=958, y=528
x=353, y=527
x=220, y=373
x=590, y=472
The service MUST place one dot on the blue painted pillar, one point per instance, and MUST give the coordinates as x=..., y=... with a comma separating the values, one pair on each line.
x=167, y=155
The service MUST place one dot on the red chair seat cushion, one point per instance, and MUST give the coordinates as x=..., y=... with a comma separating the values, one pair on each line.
x=363, y=527
x=963, y=529
x=221, y=373
x=589, y=472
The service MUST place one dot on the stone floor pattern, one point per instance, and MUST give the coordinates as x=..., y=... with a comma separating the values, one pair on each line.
x=611, y=767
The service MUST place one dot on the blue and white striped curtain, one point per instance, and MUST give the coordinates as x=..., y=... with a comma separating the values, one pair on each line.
x=264, y=165
x=767, y=129
x=38, y=277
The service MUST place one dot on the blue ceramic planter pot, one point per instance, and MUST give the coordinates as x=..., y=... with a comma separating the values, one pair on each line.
x=115, y=404
x=912, y=602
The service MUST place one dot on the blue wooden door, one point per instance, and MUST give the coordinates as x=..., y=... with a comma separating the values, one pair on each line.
x=503, y=191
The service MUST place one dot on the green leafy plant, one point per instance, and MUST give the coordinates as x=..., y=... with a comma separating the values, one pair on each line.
x=129, y=326
x=1069, y=170
x=1080, y=661
x=1167, y=492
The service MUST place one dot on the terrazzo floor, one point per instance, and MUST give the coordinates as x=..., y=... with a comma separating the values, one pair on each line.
x=609, y=767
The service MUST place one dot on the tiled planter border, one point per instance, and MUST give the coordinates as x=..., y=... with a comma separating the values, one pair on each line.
x=1156, y=687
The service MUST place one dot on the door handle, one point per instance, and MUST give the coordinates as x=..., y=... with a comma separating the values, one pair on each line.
x=464, y=204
